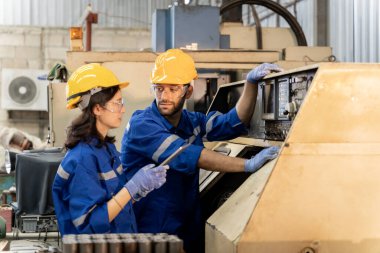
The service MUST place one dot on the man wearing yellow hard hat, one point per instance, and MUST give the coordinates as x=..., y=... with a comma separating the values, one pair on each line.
x=153, y=134
x=90, y=192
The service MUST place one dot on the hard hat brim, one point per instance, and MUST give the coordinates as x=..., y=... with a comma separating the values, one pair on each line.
x=123, y=85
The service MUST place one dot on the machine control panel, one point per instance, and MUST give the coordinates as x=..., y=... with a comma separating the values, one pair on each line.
x=282, y=97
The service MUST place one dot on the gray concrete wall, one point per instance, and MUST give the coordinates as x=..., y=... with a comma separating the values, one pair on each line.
x=41, y=48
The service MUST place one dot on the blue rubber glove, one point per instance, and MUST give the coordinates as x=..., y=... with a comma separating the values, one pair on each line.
x=146, y=180
x=257, y=161
x=260, y=71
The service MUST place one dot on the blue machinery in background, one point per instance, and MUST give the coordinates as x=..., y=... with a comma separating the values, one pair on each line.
x=180, y=25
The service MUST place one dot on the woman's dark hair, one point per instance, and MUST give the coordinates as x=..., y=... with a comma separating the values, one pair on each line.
x=83, y=128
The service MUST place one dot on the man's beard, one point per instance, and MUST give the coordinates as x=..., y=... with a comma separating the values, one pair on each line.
x=177, y=108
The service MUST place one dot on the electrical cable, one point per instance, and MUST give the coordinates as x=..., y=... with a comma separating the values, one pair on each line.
x=259, y=32
x=277, y=8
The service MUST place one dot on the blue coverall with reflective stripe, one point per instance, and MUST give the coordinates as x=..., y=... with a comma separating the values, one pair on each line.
x=86, y=179
x=150, y=138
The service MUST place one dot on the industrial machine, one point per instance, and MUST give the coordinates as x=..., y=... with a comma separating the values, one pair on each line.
x=34, y=210
x=279, y=98
x=320, y=195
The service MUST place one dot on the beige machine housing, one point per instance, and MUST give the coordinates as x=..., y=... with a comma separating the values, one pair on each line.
x=321, y=194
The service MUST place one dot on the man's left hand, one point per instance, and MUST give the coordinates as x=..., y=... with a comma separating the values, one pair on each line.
x=256, y=74
x=257, y=161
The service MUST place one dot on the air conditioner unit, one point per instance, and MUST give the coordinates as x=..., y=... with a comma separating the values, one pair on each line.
x=23, y=89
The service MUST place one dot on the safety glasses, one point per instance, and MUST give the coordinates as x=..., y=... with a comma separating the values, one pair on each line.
x=116, y=105
x=172, y=90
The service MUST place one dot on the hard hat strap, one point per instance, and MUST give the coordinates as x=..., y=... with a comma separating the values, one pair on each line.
x=85, y=99
x=95, y=90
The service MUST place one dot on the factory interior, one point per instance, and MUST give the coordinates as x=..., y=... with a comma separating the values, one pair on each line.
x=276, y=123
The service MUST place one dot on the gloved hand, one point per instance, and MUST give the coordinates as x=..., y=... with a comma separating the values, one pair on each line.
x=260, y=158
x=146, y=180
x=260, y=71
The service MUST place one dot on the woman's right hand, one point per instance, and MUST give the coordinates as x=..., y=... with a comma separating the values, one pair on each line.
x=146, y=180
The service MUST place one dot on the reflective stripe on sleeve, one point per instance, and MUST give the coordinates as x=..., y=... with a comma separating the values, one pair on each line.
x=237, y=124
x=196, y=132
x=119, y=169
x=127, y=128
x=108, y=175
x=164, y=145
x=209, y=124
x=62, y=173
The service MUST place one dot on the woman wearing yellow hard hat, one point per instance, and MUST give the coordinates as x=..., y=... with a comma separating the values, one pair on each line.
x=91, y=193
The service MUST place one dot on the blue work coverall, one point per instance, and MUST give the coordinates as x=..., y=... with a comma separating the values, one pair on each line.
x=150, y=138
x=86, y=179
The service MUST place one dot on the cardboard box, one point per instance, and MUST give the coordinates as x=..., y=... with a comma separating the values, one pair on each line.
x=308, y=54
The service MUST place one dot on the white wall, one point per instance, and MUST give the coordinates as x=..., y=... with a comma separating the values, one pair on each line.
x=354, y=30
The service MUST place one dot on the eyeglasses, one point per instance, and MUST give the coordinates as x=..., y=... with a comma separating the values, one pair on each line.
x=173, y=90
x=119, y=104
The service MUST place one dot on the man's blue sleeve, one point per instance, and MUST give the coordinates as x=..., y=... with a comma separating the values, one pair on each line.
x=155, y=143
x=220, y=126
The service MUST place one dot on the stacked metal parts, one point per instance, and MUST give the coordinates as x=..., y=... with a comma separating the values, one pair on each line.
x=118, y=243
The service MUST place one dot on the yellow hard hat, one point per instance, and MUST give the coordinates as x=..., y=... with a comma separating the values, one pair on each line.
x=86, y=78
x=173, y=67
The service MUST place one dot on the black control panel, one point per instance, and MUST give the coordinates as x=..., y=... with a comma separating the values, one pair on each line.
x=281, y=98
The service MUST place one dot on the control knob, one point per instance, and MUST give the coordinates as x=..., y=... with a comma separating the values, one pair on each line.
x=290, y=109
